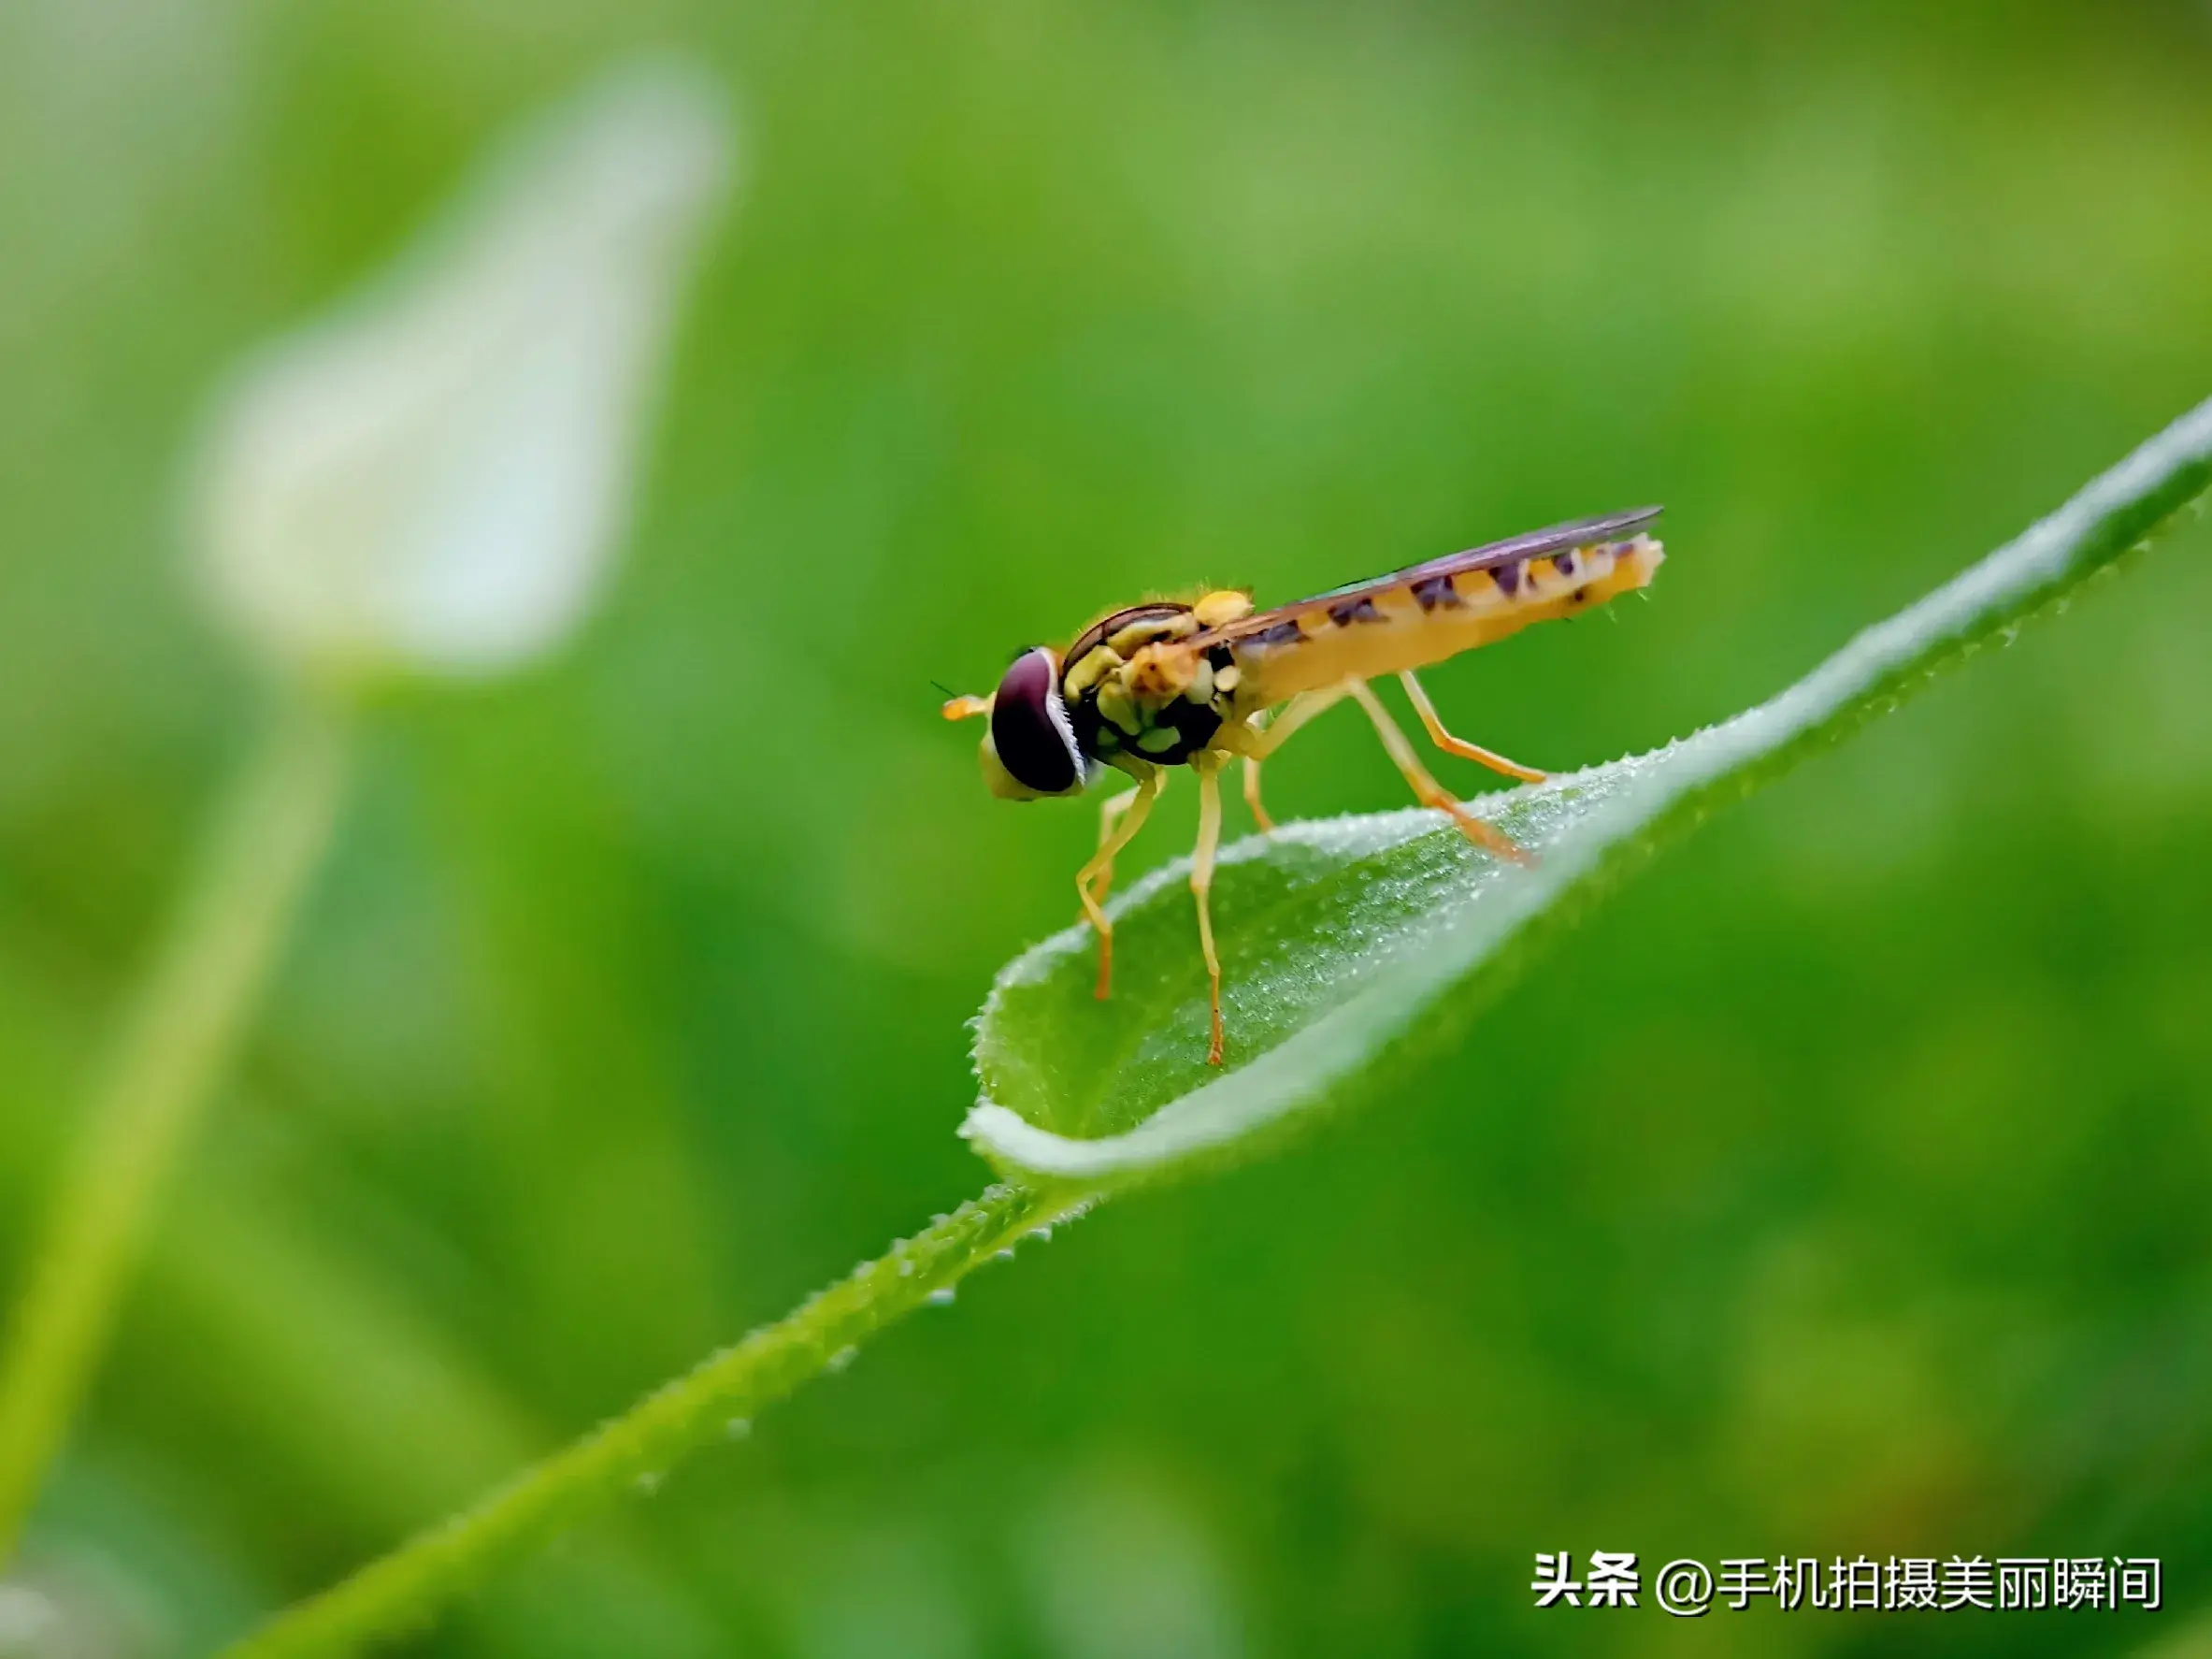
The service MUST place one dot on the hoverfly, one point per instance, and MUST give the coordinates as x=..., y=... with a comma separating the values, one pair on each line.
x=1198, y=683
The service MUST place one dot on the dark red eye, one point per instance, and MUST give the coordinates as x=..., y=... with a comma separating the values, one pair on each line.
x=1029, y=726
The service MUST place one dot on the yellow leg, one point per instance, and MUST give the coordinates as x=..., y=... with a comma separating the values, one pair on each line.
x=1425, y=788
x=1110, y=812
x=1259, y=742
x=1130, y=819
x=1256, y=743
x=1260, y=813
x=1459, y=745
x=1201, y=885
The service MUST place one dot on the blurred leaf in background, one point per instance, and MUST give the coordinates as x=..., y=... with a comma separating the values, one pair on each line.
x=1872, y=1218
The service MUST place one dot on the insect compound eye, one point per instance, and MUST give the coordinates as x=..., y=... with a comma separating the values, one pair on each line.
x=1029, y=726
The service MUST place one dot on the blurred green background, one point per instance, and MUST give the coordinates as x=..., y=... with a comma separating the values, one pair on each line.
x=1842, y=1187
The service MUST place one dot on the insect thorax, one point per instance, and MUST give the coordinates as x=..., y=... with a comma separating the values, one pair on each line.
x=1135, y=686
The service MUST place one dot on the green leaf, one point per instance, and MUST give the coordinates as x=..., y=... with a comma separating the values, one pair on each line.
x=1346, y=943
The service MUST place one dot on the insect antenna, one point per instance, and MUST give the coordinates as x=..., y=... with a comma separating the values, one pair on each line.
x=961, y=707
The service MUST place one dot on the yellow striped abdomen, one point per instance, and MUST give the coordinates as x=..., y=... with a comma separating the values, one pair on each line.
x=1426, y=619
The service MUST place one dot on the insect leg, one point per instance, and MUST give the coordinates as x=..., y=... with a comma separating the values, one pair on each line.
x=1265, y=740
x=1112, y=811
x=1201, y=885
x=1132, y=820
x=1258, y=742
x=1459, y=745
x=1425, y=788
x=1260, y=813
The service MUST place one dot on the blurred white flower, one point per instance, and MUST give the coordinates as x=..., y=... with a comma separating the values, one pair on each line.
x=27, y=1619
x=80, y=1603
x=435, y=478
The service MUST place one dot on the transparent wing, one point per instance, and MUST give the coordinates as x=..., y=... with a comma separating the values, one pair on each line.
x=1580, y=532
